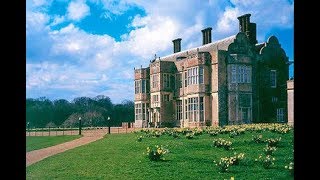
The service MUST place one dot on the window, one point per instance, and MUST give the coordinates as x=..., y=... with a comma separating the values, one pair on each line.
x=138, y=111
x=166, y=80
x=201, y=109
x=193, y=109
x=143, y=86
x=273, y=78
x=166, y=97
x=200, y=75
x=186, y=108
x=233, y=73
x=193, y=75
x=179, y=110
x=280, y=114
x=185, y=79
x=240, y=73
x=143, y=111
x=245, y=107
x=137, y=86
x=274, y=99
x=155, y=80
x=178, y=80
x=155, y=98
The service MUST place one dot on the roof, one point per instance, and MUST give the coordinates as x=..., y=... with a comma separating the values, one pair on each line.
x=222, y=44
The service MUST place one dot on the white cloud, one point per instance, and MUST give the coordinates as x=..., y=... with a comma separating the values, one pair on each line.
x=36, y=21
x=57, y=20
x=228, y=22
x=78, y=10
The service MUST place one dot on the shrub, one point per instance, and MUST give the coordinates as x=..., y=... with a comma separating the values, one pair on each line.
x=156, y=153
x=222, y=143
x=268, y=150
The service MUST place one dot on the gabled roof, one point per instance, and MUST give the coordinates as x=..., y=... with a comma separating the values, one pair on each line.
x=214, y=46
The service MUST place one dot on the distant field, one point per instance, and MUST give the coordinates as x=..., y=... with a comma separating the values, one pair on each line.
x=121, y=156
x=39, y=142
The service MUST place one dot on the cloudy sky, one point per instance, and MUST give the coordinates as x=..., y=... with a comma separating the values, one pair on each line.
x=90, y=47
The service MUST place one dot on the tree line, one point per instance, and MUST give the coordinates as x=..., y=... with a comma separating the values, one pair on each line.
x=42, y=112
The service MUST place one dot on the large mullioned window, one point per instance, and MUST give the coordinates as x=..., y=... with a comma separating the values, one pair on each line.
x=240, y=73
x=155, y=80
x=141, y=86
x=179, y=110
x=195, y=109
x=141, y=111
x=194, y=75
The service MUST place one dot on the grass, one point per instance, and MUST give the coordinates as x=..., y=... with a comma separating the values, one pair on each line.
x=120, y=156
x=39, y=142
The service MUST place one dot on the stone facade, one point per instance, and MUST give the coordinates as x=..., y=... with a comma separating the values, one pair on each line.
x=290, y=90
x=230, y=81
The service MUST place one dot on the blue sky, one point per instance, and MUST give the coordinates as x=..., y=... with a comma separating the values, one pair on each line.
x=90, y=47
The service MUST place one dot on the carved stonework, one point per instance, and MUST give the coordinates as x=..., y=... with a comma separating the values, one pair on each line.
x=241, y=45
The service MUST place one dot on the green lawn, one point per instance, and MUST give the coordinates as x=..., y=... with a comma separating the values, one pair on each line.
x=39, y=142
x=120, y=156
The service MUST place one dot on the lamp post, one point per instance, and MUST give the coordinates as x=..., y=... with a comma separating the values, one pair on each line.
x=108, y=120
x=79, y=125
x=28, y=123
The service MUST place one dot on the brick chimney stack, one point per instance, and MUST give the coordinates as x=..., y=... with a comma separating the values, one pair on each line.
x=250, y=29
x=176, y=45
x=206, y=35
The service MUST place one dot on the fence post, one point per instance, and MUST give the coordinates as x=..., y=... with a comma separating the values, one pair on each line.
x=56, y=131
x=49, y=130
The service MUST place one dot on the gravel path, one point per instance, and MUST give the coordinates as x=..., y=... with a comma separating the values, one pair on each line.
x=88, y=137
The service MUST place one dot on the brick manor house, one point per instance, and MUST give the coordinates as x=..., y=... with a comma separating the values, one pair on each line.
x=231, y=81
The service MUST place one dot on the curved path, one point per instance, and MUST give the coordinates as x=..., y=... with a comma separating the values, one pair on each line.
x=40, y=154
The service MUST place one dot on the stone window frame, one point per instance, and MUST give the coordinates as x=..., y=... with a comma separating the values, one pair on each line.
x=280, y=114
x=273, y=78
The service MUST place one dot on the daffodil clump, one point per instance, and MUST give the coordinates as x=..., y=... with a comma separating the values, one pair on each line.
x=156, y=153
x=273, y=141
x=268, y=150
x=139, y=139
x=213, y=133
x=189, y=135
x=267, y=161
x=197, y=131
x=232, y=134
x=225, y=162
x=257, y=138
x=290, y=167
x=222, y=143
x=237, y=158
